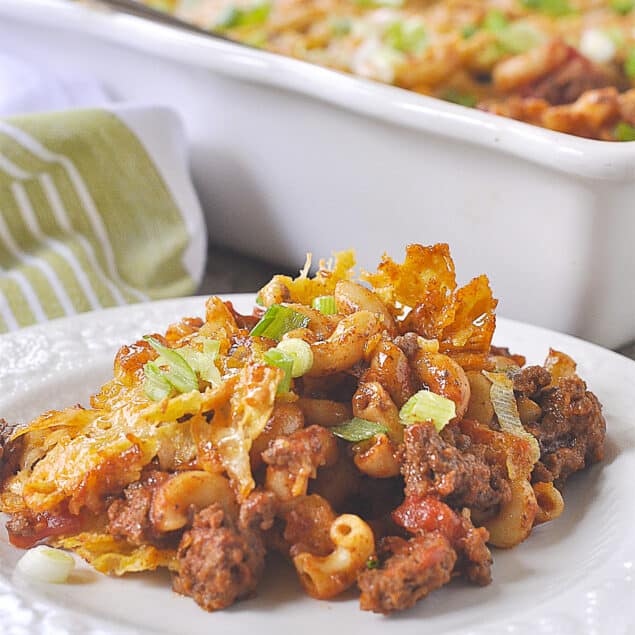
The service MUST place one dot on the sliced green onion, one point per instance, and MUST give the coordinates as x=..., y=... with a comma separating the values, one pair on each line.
x=294, y=356
x=156, y=386
x=555, y=8
x=506, y=409
x=463, y=99
x=46, y=564
x=228, y=18
x=203, y=362
x=180, y=375
x=629, y=63
x=622, y=6
x=325, y=304
x=232, y=16
x=617, y=36
x=428, y=406
x=491, y=53
x=495, y=21
x=468, y=31
x=372, y=562
x=257, y=39
x=597, y=46
x=209, y=372
x=257, y=14
x=520, y=36
x=375, y=60
x=280, y=359
x=277, y=321
x=301, y=353
x=407, y=36
x=624, y=132
x=357, y=430
x=340, y=25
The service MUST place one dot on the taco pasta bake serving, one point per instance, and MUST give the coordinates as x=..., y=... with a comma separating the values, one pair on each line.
x=364, y=428
x=567, y=65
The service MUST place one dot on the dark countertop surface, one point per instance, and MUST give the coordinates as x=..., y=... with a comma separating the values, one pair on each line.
x=230, y=272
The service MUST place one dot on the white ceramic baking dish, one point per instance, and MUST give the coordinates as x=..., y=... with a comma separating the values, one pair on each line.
x=289, y=158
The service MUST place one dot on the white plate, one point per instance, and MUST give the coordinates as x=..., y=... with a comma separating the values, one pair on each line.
x=573, y=576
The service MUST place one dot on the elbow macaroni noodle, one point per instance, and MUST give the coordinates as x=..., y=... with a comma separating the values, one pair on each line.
x=324, y=577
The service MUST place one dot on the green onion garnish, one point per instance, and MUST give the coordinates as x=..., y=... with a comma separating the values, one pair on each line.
x=372, y=563
x=340, y=25
x=301, y=353
x=515, y=37
x=257, y=39
x=492, y=52
x=257, y=14
x=407, y=36
x=280, y=359
x=277, y=321
x=616, y=35
x=622, y=6
x=232, y=16
x=156, y=386
x=203, y=362
x=46, y=564
x=180, y=375
x=495, y=21
x=428, y=406
x=629, y=63
x=463, y=99
x=325, y=304
x=520, y=36
x=551, y=7
x=468, y=31
x=506, y=409
x=294, y=356
x=624, y=132
x=357, y=430
x=228, y=18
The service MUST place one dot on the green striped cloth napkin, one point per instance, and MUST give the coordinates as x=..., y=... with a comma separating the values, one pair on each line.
x=96, y=210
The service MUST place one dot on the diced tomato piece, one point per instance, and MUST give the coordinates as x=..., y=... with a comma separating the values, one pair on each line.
x=424, y=514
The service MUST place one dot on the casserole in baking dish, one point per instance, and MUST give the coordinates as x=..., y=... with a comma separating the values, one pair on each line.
x=567, y=65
